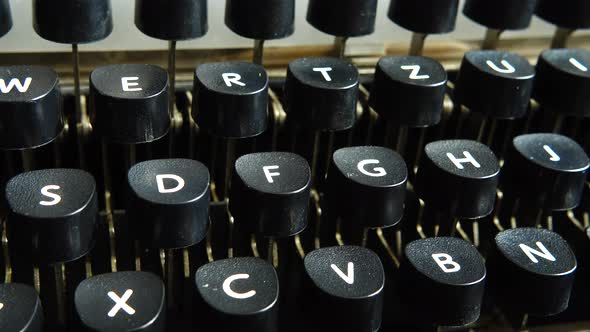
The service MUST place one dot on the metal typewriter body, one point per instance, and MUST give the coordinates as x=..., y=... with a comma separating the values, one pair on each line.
x=127, y=45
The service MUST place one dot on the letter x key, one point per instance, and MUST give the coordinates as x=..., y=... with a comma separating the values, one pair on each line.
x=121, y=301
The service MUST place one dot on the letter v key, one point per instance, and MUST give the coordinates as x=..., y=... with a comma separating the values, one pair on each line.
x=349, y=276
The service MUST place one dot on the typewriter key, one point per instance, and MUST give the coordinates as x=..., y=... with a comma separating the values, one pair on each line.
x=5, y=17
x=122, y=301
x=447, y=277
x=20, y=308
x=260, y=20
x=343, y=19
x=238, y=294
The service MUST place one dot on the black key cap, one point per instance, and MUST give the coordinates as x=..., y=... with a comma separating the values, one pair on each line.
x=5, y=17
x=344, y=289
x=231, y=99
x=169, y=202
x=261, y=19
x=122, y=301
x=270, y=193
x=570, y=14
x=20, y=308
x=562, y=81
x=409, y=90
x=496, y=83
x=501, y=14
x=459, y=177
x=536, y=262
x=447, y=277
x=31, y=105
x=321, y=93
x=129, y=103
x=73, y=21
x=547, y=171
x=367, y=186
x=424, y=16
x=238, y=294
x=52, y=214
x=343, y=18
x=172, y=20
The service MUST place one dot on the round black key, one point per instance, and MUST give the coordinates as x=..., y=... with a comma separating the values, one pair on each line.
x=52, y=214
x=536, y=262
x=345, y=289
x=231, y=99
x=447, y=277
x=5, y=17
x=501, y=14
x=73, y=21
x=321, y=93
x=424, y=16
x=261, y=19
x=270, y=193
x=367, y=184
x=496, y=83
x=121, y=301
x=459, y=177
x=343, y=18
x=570, y=14
x=546, y=170
x=240, y=294
x=129, y=103
x=31, y=105
x=409, y=90
x=172, y=20
x=169, y=202
x=563, y=80
x=20, y=308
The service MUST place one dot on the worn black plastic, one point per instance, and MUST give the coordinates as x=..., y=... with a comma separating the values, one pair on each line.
x=543, y=277
x=261, y=19
x=546, y=170
x=424, y=16
x=94, y=301
x=52, y=214
x=228, y=109
x=21, y=308
x=253, y=279
x=570, y=14
x=322, y=93
x=367, y=185
x=343, y=18
x=131, y=117
x=447, y=277
x=172, y=20
x=273, y=209
x=496, y=83
x=409, y=90
x=73, y=21
x=169, y=202
x=33, y=117
x=467, y=192
x=562, y=84
x=344, y=289
x=501, y=14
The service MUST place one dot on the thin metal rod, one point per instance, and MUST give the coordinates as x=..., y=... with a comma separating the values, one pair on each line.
x=60, y=295
x=258, y=51
x=491, y=39
x=561, y=37
x=315, y=155
x=417, y=44
x=340, y=46
x=170, y=278
x=229, y=165
x=172, y=75
x=76, y=63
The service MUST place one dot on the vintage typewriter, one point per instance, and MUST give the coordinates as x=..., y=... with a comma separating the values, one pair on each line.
x=353, y=175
